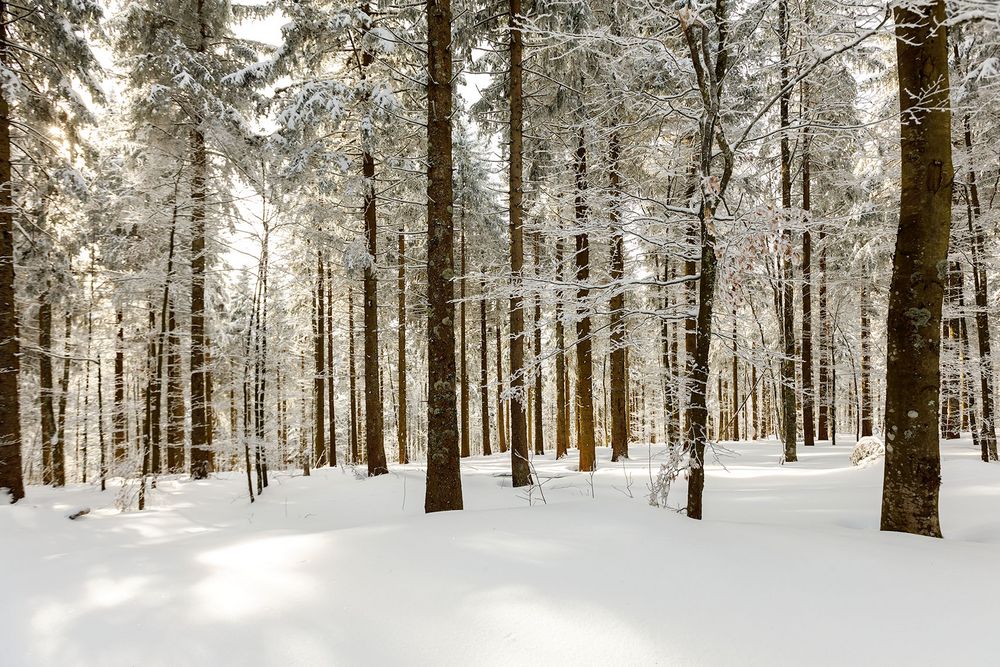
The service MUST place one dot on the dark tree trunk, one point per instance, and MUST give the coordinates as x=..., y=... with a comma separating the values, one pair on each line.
x=401, y=425
x=808, y=418
x=331, y=396
x=46, y=391
x=444, y=479
x=202, y=456
x=463, y=371
x=619, y=373
x=484, y=375
x=319, y=366
x=352, y=377
x=520, y=470
x=11, y=477
x=866, y=364
x=584, y=360
x=501, y=413
x=539, y=431
x=913, y=459
x=562, y=393
x=787, y=289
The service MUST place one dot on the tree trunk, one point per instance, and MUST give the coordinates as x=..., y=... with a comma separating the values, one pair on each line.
x=352, y=376
x=202, y=456
x=562, y=398
x=866, y=364
x=319, y=365
x=444, y=480
x=401, y=425
x=11, y=477
x=913, y=461
x=520, y=471
x=808, y=418
x=619, y=376
x=463, y=371
x=584, y=360
x=537, y=423
x=331, y=396
x=46, y=391
x=825, y=406
x=484, y=377
x=988, y=435
x=788, y=294
x=501, y=413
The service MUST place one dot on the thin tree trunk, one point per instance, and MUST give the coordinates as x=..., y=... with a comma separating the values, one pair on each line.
x=866, y=364
x=353, y=377
x=788, y=293
x=537, y=423
x=562, y=398
x=401, y=426
x=484, y=375
x=463, y=371
x=584, y=359
x=520, y=471
x=501, y=413
x=619, y=373
x=913, y=460
x=46, y=392
x=331, y=395
x=808, y=417
x=319, y=364
x=202, y=456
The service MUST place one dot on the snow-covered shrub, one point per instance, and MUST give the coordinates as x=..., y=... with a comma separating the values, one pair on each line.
x=868, y=450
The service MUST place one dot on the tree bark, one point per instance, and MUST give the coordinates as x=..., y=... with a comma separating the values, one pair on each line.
x=444, y=480
x=787, y=289
x=584, y=359
x=319, y=366
x=202, y=456
x=484, y=376
x=11, y=476
x=912, y=475
x=866, y=364
x=401, y=426
x=46, y=391
x=520, y=471
x=619, y=372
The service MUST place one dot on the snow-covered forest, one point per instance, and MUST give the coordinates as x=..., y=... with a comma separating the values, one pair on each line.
x=284, y=283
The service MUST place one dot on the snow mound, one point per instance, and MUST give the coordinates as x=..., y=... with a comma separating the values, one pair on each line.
x=868, y=450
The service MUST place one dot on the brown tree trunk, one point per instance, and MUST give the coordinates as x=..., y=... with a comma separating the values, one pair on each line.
x=735, y=388
x=825, y=405
x=46, y=392
x=444, y=480
x=866, y=364
x=562, y=397
x=619, y=376
x=520, y=471
x=352, y=377
x=951, y=407
x=501, y=413
x=913, y=459
x=484, y=376
x=331, y=396
x=11, y=477
x=584, y=359
x=537, y=424
x=988, y=437
x=463, y=371
x=319, y=366
x=401, y=426
x=808, y=418
x=788, y=294
x=202, y=456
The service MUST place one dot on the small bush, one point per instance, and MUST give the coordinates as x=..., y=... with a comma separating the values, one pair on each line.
x=868, y=450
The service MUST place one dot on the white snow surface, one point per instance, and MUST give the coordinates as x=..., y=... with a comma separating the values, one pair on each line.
x=788, y=568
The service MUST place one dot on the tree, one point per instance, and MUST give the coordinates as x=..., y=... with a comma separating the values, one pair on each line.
x=444, y=480
x=912, y=475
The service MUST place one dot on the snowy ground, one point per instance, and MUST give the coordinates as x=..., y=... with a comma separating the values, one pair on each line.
x=787, y=569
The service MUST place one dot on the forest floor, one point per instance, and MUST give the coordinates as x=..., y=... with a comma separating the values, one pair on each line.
x=787, y=569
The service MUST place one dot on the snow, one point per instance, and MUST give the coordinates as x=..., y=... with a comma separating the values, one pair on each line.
x=787, y=569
